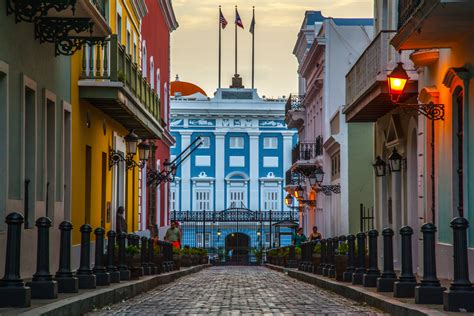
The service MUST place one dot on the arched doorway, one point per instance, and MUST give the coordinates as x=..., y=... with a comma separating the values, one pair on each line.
x=237, y=246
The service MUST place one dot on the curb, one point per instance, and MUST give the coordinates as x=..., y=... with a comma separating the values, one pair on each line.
x=87, y=301
x=359, y=294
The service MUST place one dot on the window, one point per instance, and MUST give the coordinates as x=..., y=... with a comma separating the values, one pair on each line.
x=237, y=197
x=199, y=242
x=152, y=71
x=128, y=39
x=206, y=142
x=458, y=151
x=119, y=28
x=237, y=142
x=202, y=200
x=335, y=166
x=270, y=143
x=135, y=59
x=158, y=84
x=173, y=200
x=270, y=200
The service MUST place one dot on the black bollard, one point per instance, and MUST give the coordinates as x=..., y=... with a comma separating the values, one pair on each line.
x=302, y=263
x=139, y=271
x=101, y=274
x=347, y=276
x=13, y=292
x=328, y=249
x=370, y=278
x=460, y=296
x=122, y=264
x=111, y=267
x=310, y=268
x=405, y=286
x=332, y=268
x=42, y=285
x=151, y=257
x=323, y=257
x=67, y=282
x=84, y=273
x=360, y=270
x=388, y=277
x=144, y=256
x=430, y=290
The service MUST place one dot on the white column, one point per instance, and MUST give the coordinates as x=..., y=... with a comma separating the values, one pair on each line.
x=287, y=146
x=186, y=173
x=254, y=174
x=220, y=170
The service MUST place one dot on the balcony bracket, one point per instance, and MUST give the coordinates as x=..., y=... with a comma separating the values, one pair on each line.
x=71, y=44
x=116, y=157
x=329, y=189
x=29, y=11
x=432, y=111
x=49, y=29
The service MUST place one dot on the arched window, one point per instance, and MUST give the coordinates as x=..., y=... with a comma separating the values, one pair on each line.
x=158, y=83
x=144, y=59
x=152, y=71
x=165, y=102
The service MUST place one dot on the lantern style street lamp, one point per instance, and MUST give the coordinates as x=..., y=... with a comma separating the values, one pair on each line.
x=395, y=161
x=299, y=192
x=397, y=81
x=288, y=199
x=131, y=145
x=379, y=167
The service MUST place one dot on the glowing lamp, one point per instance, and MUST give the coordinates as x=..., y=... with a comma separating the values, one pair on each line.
x=288, y=199
x=397, y=81
x=299, y=192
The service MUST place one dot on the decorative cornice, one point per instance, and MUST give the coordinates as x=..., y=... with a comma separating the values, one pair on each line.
x=453, y=73
x=168, y=12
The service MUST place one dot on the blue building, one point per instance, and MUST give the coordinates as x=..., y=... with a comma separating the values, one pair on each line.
x=238, y=174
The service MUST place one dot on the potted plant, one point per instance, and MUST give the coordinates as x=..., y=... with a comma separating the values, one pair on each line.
x=341, y=259
x=133, y=257
x=317, y=255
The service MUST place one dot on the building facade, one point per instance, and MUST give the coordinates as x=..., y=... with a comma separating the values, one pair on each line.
x=157, y=25
x=246, y=148
x=326, y=143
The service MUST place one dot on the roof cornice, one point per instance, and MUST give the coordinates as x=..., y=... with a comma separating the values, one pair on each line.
x=170, y=18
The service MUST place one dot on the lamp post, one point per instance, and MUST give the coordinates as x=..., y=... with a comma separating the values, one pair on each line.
x=131, y=146
x=317, y=177
x=396, y=82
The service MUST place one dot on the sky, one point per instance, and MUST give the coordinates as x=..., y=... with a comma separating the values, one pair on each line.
x=194, y=45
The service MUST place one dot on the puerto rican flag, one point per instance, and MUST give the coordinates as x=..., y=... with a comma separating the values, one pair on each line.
x=238, y=20
x=222, y=20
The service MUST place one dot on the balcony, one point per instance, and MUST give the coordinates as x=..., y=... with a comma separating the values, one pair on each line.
x=295, y=112
x=433, y=23
x=367, y=96
x=306, y=155
x=68, y=24
x=114, y=84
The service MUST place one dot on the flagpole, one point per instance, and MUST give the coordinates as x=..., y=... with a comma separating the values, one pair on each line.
x=253, y=48
x=220, y=56
x=235, y=25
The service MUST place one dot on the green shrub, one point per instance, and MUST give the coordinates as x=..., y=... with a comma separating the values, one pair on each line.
x=343, y=248
x=317, y=248
x=132, y=250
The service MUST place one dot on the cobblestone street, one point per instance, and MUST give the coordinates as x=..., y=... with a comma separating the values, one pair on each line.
x=238, y=291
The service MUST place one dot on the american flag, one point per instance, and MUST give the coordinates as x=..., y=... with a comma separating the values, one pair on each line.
x=238, y=20
x=222, y=20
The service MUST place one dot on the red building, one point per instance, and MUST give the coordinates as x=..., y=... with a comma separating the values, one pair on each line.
x=157, y=25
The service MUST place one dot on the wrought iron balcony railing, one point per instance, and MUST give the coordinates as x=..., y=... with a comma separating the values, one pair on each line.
x=406, y=8
x=294, y=103
x=293, y=178
x=307, y=151
x=373, y=62
x=111, y=63
x=100, y=6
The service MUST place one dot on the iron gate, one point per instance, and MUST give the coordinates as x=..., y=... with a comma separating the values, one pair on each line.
x=235, y=234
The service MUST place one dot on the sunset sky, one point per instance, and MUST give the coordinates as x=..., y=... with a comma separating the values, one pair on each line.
x=195, y=43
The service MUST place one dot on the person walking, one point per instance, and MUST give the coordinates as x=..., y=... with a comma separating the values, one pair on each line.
x=173, y=235
x=299, y=237
x=121, y=224
x=315, y=235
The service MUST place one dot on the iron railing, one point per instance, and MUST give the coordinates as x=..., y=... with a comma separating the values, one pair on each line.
x=234, y=215
x=293, y=178
x=406, y=8
x=110, y=62
x=294, y=103
x=307, y=151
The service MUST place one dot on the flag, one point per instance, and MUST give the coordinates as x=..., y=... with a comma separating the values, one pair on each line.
x=238, y=20
x=252, y=25
x=222, y=20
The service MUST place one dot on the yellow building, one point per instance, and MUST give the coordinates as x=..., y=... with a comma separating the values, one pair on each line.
x=109, y=99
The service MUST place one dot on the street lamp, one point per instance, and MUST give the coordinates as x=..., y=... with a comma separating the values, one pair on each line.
x=299, y=192
x=288, y=199
x=319, y=175
x=397, y=81
x=379, y=167
x=395, y=161
x=218, y=234
x=131, y=145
